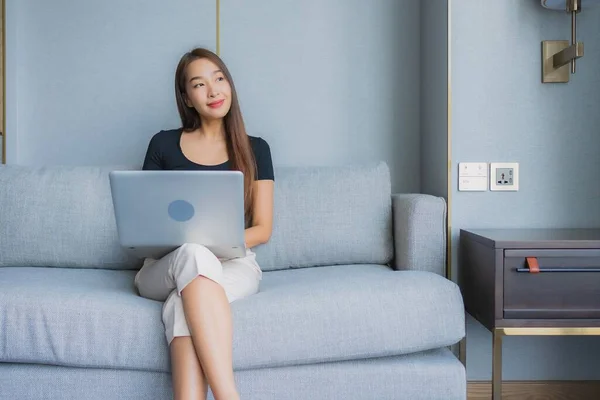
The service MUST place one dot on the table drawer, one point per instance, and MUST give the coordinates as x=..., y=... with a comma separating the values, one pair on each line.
x=548, y=284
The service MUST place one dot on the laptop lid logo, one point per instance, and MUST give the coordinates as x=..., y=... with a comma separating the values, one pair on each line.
x=181, y=210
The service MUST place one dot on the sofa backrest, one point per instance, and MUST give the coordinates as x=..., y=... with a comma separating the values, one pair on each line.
x=59, y=217
x=330, y=215
x=63, y=217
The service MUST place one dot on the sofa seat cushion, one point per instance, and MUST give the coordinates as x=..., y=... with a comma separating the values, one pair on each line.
x=345, y=312
x=95, y=318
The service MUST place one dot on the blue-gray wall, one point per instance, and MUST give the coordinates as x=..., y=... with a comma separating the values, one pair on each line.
x=434, y=97
x=89, y=82
x=324, y=82
x=501, y=112
x=11, y=28
x=329, y=82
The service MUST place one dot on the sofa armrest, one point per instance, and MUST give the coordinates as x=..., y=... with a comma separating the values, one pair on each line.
x=419, y=232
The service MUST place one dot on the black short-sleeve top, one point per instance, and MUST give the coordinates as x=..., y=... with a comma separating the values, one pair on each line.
x=164, y=153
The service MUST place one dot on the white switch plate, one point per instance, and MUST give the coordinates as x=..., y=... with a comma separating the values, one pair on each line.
x=504, y=176
x=472, y=177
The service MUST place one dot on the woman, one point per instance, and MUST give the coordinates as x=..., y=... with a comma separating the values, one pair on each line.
x=196, y=286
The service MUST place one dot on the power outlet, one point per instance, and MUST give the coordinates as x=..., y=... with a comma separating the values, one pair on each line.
x=504, y=176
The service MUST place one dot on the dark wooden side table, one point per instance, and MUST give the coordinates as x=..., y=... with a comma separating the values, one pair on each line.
x=530, y=282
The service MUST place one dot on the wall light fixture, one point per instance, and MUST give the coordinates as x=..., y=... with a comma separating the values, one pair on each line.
x=559, y=55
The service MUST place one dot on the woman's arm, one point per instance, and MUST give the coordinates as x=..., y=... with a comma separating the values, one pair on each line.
x=262, y=221
x=153, y=158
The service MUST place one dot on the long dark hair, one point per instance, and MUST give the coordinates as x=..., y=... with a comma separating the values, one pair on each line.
x=239, y=151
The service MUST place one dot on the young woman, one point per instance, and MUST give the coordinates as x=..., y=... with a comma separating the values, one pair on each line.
x=196, y=286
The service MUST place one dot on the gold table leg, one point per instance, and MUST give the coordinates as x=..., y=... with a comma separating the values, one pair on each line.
x=497, y=364
x=499, y=333
x=462, y=351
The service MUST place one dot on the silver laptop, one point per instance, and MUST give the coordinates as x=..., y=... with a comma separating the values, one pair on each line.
x=158, y=211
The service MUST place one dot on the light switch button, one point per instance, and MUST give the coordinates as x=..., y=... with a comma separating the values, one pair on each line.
x=473, y=177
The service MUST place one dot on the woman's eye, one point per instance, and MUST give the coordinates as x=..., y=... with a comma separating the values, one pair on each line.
x=220, y=79
x=198, y=85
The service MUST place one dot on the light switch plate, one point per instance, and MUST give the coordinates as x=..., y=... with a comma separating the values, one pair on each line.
x=504, y=176
x=472, y=177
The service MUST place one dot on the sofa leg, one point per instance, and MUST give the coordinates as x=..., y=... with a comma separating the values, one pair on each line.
x=462, y=351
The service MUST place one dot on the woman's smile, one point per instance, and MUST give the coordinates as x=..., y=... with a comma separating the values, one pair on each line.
x=216, y=104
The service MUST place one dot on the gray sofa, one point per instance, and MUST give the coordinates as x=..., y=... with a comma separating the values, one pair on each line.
x=353, y=303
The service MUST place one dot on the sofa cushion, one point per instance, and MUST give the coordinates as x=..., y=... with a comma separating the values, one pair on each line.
x=330, y=215
x=59, y=217
x=94, y=318
x=79, y=317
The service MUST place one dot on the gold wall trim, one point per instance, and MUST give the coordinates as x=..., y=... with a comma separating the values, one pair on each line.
x=449, y=274
x=218, y=24
x=3, y=66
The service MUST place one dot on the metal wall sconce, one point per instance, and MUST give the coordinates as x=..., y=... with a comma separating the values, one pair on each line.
x=559, y=55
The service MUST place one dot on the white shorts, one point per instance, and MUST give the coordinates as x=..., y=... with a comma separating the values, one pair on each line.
x=164, y=279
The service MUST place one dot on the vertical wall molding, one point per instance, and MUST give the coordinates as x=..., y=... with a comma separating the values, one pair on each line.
x=3, y=66
x=449, y=274
x=218, y=33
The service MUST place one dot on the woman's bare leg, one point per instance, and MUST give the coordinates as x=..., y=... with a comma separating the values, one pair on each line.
x=208, y=316
x=189, y=381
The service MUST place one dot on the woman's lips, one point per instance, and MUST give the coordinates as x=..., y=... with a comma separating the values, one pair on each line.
x=216, y=104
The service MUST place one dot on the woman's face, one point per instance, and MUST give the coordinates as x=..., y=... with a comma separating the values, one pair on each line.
x=207, y=89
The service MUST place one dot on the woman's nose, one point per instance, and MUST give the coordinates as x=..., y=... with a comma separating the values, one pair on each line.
x=212, y=92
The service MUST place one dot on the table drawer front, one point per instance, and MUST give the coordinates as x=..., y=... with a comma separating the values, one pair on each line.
x=566, y=286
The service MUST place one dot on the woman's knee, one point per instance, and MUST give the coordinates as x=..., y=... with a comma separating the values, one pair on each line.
x=193, y=260
x=193, y=250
